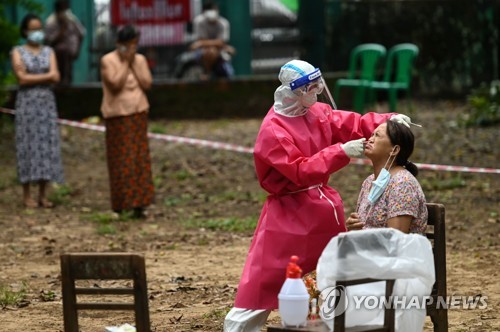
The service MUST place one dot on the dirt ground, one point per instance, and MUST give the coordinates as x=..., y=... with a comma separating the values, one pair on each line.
x=196, y=236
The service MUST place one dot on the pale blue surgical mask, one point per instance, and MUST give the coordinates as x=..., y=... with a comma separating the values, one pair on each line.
x=36, y=36
x=379, y=185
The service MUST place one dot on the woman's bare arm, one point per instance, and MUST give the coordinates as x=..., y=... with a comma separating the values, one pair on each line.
x=141, y=72
x=401, y=223
x=25, y=78
x=114, y=78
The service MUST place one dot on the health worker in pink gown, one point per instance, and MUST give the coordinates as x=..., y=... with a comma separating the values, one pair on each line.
x=300, y=143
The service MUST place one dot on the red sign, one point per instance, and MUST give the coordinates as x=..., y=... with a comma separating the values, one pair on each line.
x=150, y=11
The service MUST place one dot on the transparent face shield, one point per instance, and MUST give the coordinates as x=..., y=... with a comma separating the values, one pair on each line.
x=313, y=84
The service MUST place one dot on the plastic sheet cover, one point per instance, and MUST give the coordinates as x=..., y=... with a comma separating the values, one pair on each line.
x=379, y=254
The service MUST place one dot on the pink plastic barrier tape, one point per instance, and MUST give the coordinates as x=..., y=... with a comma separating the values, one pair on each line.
x=238, y=148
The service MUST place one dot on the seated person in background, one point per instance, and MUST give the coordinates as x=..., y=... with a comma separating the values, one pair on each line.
x=391, y=196
x=211, y=33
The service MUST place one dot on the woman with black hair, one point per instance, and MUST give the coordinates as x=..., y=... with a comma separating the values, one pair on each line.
x=391, y=196
x=37, y=133
x=126, y=76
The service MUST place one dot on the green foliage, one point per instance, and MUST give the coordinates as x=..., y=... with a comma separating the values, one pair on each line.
x=484, y=106
x=30, y=5
x=7, y=126
x=456, y=39
x=9, y=36
x=9, y=297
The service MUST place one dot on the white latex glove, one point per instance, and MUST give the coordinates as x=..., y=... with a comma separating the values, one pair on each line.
x=401, y=118
x=354, y=148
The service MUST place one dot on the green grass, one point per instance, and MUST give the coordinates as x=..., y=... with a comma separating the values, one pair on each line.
x=217, y=314
x=7, y=182
x=105, y=220
x=157, y=128
x=224, y=224
x=442, y=184
x=106, y=229
x=60, y=194
x=108, y=217
x=9, y=297
x=181, y=175
x=47, y=296
x=157, y=181
x=176, y=201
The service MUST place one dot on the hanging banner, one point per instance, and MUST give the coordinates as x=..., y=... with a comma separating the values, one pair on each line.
x=139, y=12
x=161, y=34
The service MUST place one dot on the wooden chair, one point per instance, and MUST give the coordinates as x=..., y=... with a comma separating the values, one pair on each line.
x=339, y=320
x=438, y=310
x=389, y=312
x=104, y=266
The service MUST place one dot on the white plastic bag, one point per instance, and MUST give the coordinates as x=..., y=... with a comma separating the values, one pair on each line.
x=384, y=253
x=122, y=328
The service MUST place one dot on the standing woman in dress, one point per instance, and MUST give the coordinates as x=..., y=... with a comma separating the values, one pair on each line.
x=125, y=77
x=37, y=133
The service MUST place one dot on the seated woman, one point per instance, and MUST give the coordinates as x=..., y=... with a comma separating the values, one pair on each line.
x=391, y=196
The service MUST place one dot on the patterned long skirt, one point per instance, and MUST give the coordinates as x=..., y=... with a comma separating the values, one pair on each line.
x=129, y=162
x=38, y=148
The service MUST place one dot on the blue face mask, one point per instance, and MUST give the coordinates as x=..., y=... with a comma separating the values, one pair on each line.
x=379, y=185
x=36, y=37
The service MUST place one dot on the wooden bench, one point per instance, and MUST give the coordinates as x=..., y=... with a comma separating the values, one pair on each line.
x=104, y=266
x=437, y=310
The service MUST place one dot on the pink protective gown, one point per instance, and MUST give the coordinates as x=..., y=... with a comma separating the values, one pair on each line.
x=294, y=157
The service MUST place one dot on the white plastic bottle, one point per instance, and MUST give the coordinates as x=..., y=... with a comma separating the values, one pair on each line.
x=293, y=297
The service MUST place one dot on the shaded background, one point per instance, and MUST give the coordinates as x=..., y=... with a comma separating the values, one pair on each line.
x=457, y=39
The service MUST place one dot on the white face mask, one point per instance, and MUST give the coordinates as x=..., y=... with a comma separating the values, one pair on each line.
x=309, y=99
x=36, y=36
x=212, y=15
x=379, y=185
